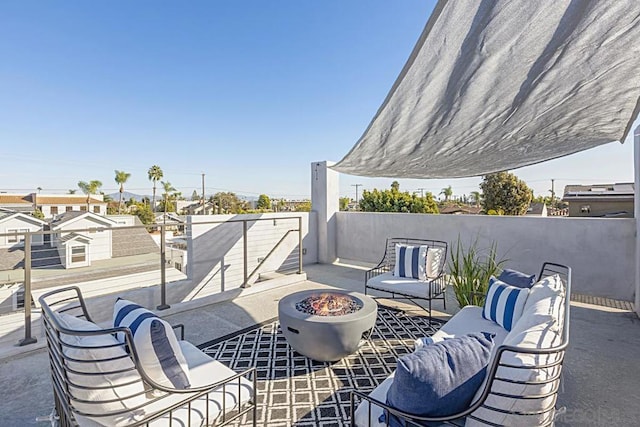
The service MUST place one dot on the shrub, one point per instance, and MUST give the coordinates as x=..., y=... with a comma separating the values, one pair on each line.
x=470, y=270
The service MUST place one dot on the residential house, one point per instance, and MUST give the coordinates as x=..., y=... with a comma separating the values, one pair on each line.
x=603, y=200
x=52, y=204
x=81, y=237
x=537, y=209
x=16, y=202
x=196, y=208
x=460, y=210
x=19, y=223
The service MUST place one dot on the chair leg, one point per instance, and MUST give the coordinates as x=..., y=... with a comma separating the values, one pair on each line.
x=444, y=299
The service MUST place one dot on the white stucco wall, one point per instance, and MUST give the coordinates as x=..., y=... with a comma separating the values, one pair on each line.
x=46, y=209
x=122, y=220
x=216, y=250
x=599, y=251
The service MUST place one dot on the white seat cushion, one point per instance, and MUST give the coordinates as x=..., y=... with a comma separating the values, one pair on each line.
x=361, y=415
x=114, y=384
x=407, y=286
x=468, y=320
x=204, y=370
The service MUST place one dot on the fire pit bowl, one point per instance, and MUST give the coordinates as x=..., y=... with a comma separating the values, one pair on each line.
x=326, y=325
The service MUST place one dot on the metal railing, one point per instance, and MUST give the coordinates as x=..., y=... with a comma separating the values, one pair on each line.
x=47, y=259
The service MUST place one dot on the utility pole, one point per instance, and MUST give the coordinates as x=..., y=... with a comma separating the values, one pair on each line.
x=553, y=193
x=203, y=202
x=422, y=192
x=356, y=185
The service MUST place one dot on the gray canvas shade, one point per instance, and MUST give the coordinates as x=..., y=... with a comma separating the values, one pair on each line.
x=496, y=85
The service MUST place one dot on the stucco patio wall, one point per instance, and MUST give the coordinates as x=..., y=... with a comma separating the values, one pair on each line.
x=600, y=251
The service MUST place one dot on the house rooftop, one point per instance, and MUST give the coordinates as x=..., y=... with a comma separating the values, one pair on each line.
x=458, y=210
x=535, y=208
x=10, y=199
x=67, y=199
x=619, y=190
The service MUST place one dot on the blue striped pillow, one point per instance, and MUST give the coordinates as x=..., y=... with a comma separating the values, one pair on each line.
x=411, y=261
x=504, y=303
x=158, y=349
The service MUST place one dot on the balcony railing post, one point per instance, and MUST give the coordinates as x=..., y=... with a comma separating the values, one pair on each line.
x=28, y=339
x=245, y=260
x=163, y=270
x=300, y=245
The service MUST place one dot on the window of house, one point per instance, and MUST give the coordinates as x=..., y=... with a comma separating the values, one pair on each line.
x=96, y=209
x=83, y=208
x=78, y=254
x=18, y=235
x=585, y=209
x=69, y=208
x=54, y=210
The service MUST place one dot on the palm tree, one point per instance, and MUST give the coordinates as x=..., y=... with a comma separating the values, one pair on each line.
x=155, y=175
x=447, y=192
x=476, y=197
x=89, y=188
x=121, y=178
x=168, y=193
x=72, y=191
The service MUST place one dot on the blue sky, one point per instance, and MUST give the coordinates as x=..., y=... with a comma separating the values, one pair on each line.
x=247, y=92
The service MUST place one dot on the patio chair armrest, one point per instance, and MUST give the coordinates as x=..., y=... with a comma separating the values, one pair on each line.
x=375, y=271
x=199, y=392
x=415, y=419
x=179, y=326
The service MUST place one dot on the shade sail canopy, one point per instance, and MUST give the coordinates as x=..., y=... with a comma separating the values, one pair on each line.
x=496, y=85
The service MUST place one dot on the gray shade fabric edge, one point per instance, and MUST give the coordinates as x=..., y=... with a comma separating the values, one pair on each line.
x=493, y=86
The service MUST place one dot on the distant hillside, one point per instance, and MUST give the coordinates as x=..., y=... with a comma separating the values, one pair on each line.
x=127, y=196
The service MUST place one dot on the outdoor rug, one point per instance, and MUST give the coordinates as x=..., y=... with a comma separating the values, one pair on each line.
x=296, y=391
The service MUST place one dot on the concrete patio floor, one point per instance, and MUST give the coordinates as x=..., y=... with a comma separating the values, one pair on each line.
x=601, y=371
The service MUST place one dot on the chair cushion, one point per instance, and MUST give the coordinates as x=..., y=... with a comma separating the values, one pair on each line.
x=411, y=262
x=540, y=326
x=361, y=414
x=204, y=370
x=504, y=304
x=440, y=379
x=117, y=387
x=517, y=278
x=434, y=262
x=156, y=343
x=540, y=335
x=468, y=320
x=407, y=286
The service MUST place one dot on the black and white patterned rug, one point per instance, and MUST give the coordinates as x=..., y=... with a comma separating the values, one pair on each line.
x=296, y=391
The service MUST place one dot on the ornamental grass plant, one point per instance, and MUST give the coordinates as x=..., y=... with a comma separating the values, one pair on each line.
x=470, y=269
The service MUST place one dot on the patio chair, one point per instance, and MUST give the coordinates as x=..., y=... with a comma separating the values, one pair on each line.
x=97, y=380
x=432, y=287
x=523, y=376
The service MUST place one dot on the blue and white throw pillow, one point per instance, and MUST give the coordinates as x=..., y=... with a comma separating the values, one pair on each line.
x=156, y=343
x=504, y=304
x=411, y=261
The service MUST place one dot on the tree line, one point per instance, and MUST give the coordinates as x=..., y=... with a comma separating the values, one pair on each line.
x=502, y=193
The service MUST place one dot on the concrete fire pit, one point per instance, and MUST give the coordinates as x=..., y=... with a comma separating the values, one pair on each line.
x=326, y=325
